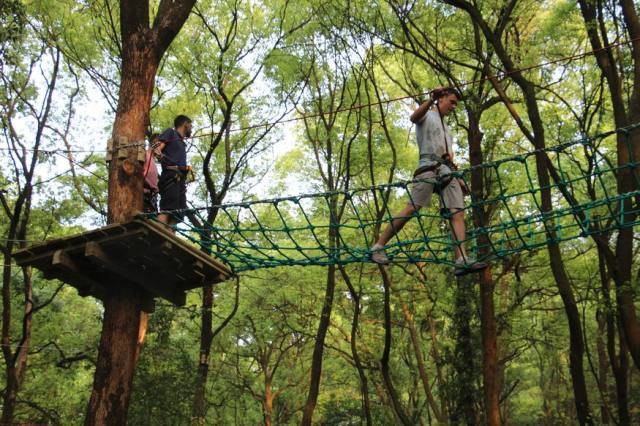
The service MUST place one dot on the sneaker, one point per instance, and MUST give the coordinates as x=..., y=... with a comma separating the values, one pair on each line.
x=378, y=255
x=467, y=265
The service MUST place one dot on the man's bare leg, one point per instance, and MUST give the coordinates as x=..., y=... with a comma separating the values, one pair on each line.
x=458, y=232
x=397, y=224
x=392, y=229
x=464, y=263
x=167, y=220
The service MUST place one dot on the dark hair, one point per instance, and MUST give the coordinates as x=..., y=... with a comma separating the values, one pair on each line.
x=180, y=120
x=444, y=91
x=438, y=93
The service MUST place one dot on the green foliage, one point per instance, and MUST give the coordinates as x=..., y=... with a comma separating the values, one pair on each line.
x=238, y=65
x=12, y=26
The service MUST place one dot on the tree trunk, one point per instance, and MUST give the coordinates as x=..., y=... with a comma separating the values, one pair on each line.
x=268, y=402
x=384, y=360
x=619, y=362
x=116, y=358
x=318, y=348
x=491, y=382
x=206, y=337
x=15, y=370
x=142, y=48
x=364, y=387
x=464, y=411
x=123, y=302
x=415, y=342
x=628, y=150
x=621, y=375
x=16, y=363
x=603, y=367
x=537, y=138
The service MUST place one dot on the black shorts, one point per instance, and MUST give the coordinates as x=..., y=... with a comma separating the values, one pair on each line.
x=173, y=192
x=150, y=201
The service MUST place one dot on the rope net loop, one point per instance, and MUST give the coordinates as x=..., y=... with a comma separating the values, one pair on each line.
x=295, y=230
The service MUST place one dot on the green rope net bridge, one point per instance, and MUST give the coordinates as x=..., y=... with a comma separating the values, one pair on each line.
x=295, y=230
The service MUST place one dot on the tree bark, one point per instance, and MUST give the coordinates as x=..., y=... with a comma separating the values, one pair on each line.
x=464, y=409
x=384, y=360
x=537, y=138
x=619, y=362
x=116, y=358
x=142, y=48
x=16, y=369
x=318, y=348
x=16, y=363
x=268, y=402
x=491, y=382
x=364, y=387
x=628, y=150
x=206, y=337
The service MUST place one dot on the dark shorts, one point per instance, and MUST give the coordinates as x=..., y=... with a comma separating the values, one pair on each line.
x=150, y=199
x=173, y=192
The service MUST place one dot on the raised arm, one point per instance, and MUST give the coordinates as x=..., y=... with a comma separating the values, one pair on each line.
x=419, y=113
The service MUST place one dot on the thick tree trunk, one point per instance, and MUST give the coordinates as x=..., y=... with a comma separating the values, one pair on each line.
x=115, y=367
x=464, y=411
x=491, y=382
x=143, y=45
x=628, y=150
x=116, y=358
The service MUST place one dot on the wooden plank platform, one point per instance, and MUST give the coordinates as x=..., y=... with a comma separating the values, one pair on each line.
x=142, y=253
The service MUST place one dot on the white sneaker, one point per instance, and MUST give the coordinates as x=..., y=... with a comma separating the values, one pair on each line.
x=467, y=265
x=378, y=255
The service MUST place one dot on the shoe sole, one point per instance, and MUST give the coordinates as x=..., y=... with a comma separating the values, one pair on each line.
x=466, y=271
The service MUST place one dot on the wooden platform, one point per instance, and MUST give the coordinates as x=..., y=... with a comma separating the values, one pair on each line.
x=140, y=253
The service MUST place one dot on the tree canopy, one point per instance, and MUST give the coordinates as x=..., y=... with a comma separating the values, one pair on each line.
x=311, y=97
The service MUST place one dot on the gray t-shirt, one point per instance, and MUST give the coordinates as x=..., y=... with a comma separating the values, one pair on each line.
x=431, y=138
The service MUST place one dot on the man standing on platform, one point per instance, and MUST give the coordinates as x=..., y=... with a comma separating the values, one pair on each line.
x=172, y=182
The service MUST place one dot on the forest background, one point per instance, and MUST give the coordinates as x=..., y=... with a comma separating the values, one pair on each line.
x=312, y=96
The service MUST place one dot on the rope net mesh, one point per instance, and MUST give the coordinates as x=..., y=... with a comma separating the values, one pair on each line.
x=296, y=230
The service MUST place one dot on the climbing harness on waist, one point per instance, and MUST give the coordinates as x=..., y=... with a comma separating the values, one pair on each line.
x=442, y=181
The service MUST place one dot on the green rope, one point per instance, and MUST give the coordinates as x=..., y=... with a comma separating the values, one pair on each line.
x=295, y=230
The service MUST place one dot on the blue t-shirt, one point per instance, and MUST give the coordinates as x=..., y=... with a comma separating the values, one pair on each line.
x=175, y=150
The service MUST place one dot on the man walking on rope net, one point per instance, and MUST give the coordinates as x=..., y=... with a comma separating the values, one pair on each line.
x=173, y=179
x=436, y=164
